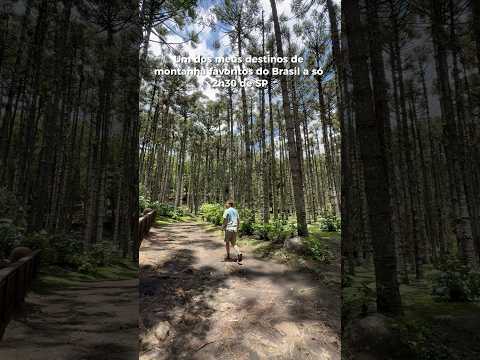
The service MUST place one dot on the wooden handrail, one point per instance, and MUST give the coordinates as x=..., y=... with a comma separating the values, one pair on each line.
x=145, y=223
x=15, y=281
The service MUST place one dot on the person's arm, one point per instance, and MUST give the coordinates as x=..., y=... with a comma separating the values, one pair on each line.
x=225, y=220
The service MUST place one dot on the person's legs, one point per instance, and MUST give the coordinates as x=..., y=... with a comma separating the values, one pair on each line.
x=235, y=246
x=227, y=243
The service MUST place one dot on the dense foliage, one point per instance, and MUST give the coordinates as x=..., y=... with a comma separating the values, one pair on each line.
x=212, y=213
x=69, y=120
x=456, y=282
x=63, y=250
x=12, y=223
x=275, y=152
x=161, y=209
x=330, y=222
x=275, y=231
x=319, y=249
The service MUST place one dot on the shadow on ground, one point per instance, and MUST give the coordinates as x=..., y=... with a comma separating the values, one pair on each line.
x=94, y=320
x=185, y=291
x=208, y=309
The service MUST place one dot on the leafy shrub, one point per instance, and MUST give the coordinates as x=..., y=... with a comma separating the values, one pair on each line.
x=246, y=228
x=10, y=237
x=86, y=267
x=68, y=251
x=330, y=222
x=247, y=222
x=319, y=250
x=275, y=231
x=58, y=249
x=213, y=213
x=11, y=209
x=474, y=284
x=290, y=229
x=347, y=280
x=12, y=222
x=260, y=231
x=456, y=282
x=177, y=214
x=143, y=203
x=102, y=254
x=65, y=248
x=166, y=210
x=83, y=262
x=162, y=209
x=41, y=241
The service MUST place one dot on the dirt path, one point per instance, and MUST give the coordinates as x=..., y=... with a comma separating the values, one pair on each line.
x=92, y=321
x=195, y=306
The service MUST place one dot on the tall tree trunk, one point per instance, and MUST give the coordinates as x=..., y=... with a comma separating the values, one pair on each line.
x=454, y=149
x=248, y=155
x=370, y=128
x=290, y=128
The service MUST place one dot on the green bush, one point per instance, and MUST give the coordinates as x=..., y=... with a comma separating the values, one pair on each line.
x=10, y=237
x=162, y=209
x=41, y=241
x=246, y=228
x=69, y=251
x=102, y=254
x=247, y=222
x=12, y=222
x=84, y=263
x=456, y=282
x=59, y=249
x=213, y=213
x=177, y=214
x=143, y=204
x=10, y=209
x=166, y=210
x=347, y=280
x=275, y=231
x=290, y=229
x=65, y=248
x=260, y=231
x=330, y=223
x=87, y=267
x=319, y=250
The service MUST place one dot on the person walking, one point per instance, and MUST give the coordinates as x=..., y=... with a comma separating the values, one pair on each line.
x=231, y=224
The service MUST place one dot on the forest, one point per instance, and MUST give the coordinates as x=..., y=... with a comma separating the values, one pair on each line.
x=379, y=150
x=69, y=130
x=273, y=150
x=278, y=162
x=410, y=170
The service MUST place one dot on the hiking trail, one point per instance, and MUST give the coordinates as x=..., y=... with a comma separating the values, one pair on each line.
x=90, y=321
x=194, y=305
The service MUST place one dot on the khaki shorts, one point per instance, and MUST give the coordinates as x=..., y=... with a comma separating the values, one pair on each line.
x=231, y=237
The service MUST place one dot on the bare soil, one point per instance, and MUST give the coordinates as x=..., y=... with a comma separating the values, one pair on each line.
x=94, y=320
x=207, y=308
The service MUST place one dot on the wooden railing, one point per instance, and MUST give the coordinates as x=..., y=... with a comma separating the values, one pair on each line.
x=145, y=223
x=15, y=281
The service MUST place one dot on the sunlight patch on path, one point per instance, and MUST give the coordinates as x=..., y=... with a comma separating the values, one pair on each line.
x=222, y=310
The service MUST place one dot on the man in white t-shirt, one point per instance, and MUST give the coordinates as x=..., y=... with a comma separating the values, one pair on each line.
x=231, y=224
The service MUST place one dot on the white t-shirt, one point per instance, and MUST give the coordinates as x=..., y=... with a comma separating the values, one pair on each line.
x=231, y=214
